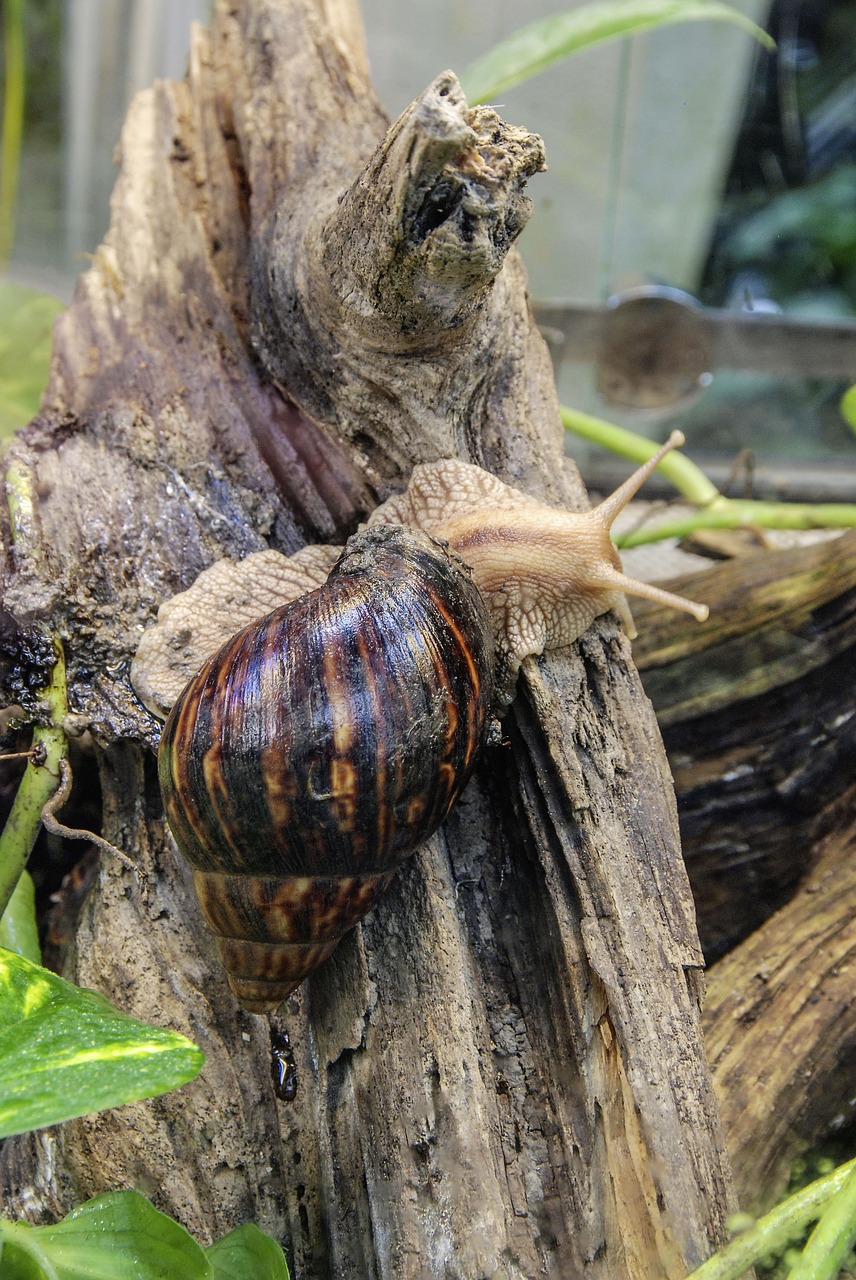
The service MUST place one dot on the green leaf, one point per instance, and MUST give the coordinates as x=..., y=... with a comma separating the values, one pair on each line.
x=117, y=1236
x=26, y=329
x=247, y=1254
x=66, y=1052
x=18, y=1265
x=533, y=48
x=18, y=931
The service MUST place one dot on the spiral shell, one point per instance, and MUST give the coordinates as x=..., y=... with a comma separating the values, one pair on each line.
x=320, y=747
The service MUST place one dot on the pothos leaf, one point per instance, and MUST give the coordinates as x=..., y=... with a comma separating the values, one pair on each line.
x=117, y=1236
x=121, y=1236
x=535, y=47
x=247, y=1254
x=65, y=1052
x=18, y=930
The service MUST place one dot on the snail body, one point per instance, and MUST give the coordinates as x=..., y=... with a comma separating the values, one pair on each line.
x=545, y=572
x=320, y=747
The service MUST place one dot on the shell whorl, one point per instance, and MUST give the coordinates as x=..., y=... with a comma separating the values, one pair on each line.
x=320, y=747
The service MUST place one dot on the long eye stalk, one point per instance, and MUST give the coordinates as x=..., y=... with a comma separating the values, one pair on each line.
x=605, y=513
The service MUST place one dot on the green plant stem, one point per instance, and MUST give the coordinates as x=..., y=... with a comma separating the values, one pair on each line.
x=22, y=504
x=831, y=1241
x=772, y=1233
x=42, y=774
x=737, y=513
x=13, y=124
x=38, y=784
x=715, y=511
x=687, y=478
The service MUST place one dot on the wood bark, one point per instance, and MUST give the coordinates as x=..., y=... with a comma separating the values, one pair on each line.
x=501, y=1073
x=758, y=715
x=780, y=1023
x=758, y=718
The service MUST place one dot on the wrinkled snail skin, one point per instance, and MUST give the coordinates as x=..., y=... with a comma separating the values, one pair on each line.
x=546, y=572
x=323, y=744
x=320, y=747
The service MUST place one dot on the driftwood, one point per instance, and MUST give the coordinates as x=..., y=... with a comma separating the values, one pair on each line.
x=758, y=714
x=501, y=1073
x=780, y=1023
x=758, y=711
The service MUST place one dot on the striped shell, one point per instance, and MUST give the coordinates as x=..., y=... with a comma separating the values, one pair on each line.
x=320, y=747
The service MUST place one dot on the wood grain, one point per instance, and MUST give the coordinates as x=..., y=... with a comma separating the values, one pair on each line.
x=780, y=1023
x=502, y=1073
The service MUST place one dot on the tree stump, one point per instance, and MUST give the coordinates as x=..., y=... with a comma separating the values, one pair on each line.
x=501, y=1073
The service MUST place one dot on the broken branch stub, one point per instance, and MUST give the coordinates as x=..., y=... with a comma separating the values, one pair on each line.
x=407, y=261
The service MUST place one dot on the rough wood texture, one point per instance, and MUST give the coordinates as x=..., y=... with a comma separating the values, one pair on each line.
x=758, y=717
x=780, y=1023
x=501, y=1073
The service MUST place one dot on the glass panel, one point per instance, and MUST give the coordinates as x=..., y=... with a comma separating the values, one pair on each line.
x=710, y=185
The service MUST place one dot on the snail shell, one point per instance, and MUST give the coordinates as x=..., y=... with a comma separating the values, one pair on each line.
x=320, y=747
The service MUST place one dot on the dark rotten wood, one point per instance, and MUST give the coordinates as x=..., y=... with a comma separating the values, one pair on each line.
x=758, y=716
x=780, y=1023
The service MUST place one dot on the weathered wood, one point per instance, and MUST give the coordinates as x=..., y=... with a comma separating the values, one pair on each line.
x=780, y=1023
x=501, y=1072
x=758, y=712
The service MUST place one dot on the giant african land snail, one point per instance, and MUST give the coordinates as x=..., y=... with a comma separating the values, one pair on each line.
x=323, y=744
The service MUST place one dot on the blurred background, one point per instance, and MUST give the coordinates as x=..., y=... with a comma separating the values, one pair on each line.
x=692, y=255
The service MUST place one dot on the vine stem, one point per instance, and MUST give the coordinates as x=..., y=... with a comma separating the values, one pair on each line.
x=687, y=478
x=715, y=511
x=772, y=1233
x=38, y=784
x=738, y=513
x=50, y=746
x=13, y=122
x=829, y=1244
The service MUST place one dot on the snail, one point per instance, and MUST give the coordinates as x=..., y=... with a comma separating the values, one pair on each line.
x=324, y=743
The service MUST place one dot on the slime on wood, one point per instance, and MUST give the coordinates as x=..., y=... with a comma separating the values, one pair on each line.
x=283, y=1065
